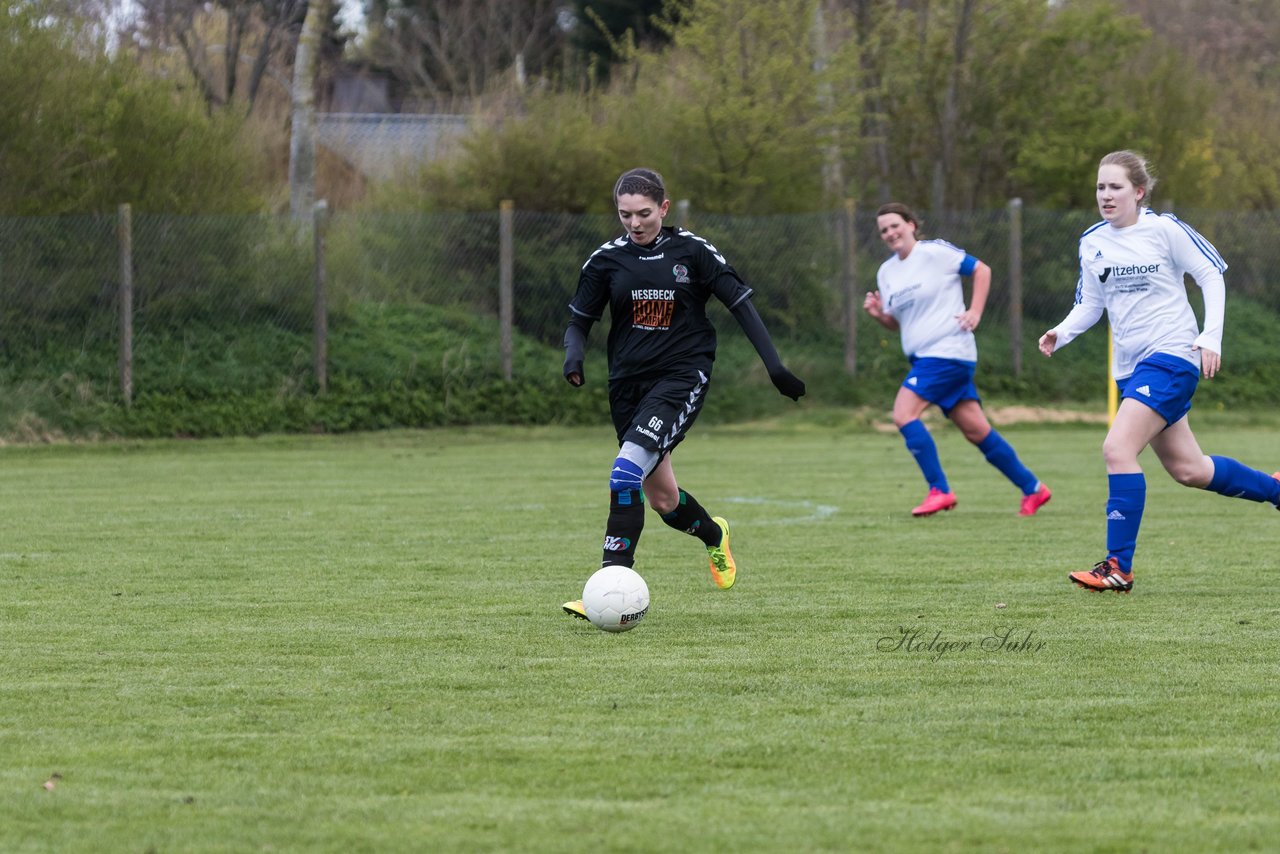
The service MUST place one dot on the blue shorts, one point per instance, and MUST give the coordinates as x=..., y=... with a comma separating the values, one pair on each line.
x=1164, y=383
x=944, y=382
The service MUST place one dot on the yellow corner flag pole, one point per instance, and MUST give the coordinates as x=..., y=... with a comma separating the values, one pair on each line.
x=1113, y=393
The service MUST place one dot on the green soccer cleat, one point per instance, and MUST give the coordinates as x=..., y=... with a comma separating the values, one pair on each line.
x=723, y=570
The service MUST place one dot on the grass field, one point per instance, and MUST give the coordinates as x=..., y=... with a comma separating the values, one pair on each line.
x=355, y=644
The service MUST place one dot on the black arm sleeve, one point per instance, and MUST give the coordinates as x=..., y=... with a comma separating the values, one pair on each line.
x=575, y=345
x=751, y=323
x=749, y=319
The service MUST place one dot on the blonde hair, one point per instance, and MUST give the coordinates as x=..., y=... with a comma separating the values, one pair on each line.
x=1136, y=169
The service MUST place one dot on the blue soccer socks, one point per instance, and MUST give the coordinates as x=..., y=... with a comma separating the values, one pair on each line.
x=921, y=446
x=1236, y=480
x=1001, y=455
x=1128, y=497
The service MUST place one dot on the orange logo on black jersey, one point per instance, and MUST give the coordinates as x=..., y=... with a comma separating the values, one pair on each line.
x=652, y=308
x=652, y=314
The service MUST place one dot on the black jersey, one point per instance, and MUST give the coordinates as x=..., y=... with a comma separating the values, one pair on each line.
x=657, y=297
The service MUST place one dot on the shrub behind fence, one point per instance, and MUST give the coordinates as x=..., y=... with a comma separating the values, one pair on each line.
x=283, y=294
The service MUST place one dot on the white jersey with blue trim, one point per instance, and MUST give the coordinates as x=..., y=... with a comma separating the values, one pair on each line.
x=924, y=294
x=1136, y=274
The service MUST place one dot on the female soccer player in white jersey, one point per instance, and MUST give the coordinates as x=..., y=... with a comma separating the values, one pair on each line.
x=1132, y=264
x=656, y=281
x=919, y=293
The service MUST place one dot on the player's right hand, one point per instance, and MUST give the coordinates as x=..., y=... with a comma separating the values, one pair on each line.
x=573, y=372
x=1048, y=342
x=871, y=304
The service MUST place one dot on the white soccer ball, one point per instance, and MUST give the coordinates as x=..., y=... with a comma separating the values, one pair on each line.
x=615, y=598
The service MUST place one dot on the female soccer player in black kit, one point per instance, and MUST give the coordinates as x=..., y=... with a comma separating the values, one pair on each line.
x=656, y=282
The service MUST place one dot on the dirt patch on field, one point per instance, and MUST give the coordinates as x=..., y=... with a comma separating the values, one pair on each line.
x=1041, y=415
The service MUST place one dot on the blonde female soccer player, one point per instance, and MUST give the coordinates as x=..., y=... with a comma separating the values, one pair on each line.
x=1132, y=264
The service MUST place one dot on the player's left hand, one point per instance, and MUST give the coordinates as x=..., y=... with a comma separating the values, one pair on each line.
x=1210, y=362
x=788, y=383
x=969, y=320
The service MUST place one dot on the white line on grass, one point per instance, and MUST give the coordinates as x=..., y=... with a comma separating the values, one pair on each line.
x=818, y=512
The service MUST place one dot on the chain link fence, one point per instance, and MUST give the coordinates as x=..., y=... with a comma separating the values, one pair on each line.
x=124, y=306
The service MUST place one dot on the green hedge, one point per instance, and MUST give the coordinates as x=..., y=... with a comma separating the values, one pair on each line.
x=426, y=366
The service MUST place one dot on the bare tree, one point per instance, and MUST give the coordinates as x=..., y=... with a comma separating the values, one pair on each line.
x=457, y=49
x=214, y=38
x=875, y=124
x=948, y=122
x=302, y=140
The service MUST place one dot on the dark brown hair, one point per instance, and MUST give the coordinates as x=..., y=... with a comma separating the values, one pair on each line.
x=901, y=210
x=643, y=182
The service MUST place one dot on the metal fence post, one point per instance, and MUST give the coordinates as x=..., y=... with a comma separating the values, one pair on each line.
x=124, y=239
x=320, y=308
x=506, y=283
x=682, y=213
x=1015, y=284
x=848, y=269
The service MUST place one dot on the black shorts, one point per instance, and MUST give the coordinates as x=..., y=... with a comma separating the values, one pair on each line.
x=656, y=414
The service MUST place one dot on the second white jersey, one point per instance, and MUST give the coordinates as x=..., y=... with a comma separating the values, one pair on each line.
x=1136, y=274
x=924, y=294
